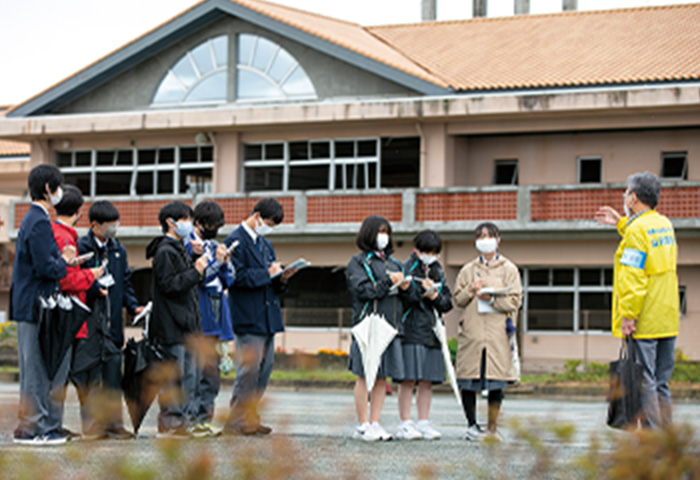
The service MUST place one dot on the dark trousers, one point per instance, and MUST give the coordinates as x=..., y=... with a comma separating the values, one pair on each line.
x=40, y=399
x=254, y=358
x=99, y=392
x=178, y=387
x=200, y=407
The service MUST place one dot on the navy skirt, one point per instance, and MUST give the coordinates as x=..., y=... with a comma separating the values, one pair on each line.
x=391, y=364
x=423, y=364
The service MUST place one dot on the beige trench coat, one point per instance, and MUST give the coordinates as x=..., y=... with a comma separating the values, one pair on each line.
x=487, y=330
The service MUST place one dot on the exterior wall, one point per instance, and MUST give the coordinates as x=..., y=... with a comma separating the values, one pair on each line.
x=134, y=90
x=551, y=158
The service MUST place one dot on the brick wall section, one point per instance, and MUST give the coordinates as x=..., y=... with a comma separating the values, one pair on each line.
x=238, y=209
x=352, y=208
x=680, y=202
x=453, y=207
x=582, y=204
x=131, y=214
x=572, y=204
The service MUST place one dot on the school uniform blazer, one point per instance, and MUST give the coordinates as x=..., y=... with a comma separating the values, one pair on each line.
x=122, y=293
x=38, y=264
x=253, y=296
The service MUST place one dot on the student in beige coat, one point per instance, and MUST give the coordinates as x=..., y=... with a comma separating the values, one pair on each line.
x=483, y=357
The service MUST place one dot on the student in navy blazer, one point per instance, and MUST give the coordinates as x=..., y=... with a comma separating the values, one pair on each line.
x=38, y=267
x=255, y=312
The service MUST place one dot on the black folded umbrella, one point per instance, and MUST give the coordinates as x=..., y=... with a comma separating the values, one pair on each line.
x=98, y=347
x=141, y=381
x=60, y=318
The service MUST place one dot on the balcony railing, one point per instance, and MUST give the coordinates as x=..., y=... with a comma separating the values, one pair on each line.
x=523, y=208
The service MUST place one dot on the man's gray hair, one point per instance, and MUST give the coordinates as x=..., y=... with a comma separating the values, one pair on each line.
x=646, y=186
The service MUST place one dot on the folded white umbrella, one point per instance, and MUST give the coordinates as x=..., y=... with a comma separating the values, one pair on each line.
x=441, y=334
x=373, y=334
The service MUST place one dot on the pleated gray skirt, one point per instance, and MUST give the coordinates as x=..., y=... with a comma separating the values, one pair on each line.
x=423, y=364
x=391, y=364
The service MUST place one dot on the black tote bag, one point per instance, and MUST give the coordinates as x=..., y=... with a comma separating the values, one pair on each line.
x=625, y=394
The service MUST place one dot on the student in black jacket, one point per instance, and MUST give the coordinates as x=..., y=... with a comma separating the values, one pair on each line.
x=175, y=314
x=101, y=241
x=422, y=356
x=371, y=274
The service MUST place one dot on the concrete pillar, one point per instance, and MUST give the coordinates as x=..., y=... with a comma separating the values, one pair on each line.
x=569, y=5
x=428, y=10
x=437, y=151
x=522, y=7
x=480, y=8
x=227, y=162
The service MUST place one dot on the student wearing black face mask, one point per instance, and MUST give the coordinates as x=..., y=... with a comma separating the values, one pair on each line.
x=217, y=330
x=100, y=240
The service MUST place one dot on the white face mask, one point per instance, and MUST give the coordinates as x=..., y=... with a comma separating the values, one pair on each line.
x=487, y=245
x=263, y=229
x=382, y=241
x=56, y=199
x=628, y=211
x=428, y=259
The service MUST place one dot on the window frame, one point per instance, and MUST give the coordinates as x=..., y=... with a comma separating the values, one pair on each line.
x=684, y=173
x=576, y=289
x=515, y=179
x=332, y=161
x=586, y=158
x=176, y=167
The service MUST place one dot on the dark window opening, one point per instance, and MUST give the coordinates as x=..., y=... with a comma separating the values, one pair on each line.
x=318, y=297
x=590, y=170
x=313, y=177
x=64, y=159
x=505, y=172
x=400, y=162
x=595, y=308
x=113, y=183
x=144, y=183
x=675, y=165
x=550, y=311
x=80, y=180
x=195, y=180
x=263, y=178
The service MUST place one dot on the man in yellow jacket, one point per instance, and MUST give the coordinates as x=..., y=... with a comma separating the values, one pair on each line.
x=645, y=290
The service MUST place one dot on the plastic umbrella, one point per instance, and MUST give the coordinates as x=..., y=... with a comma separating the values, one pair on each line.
x=60, y=318
x=441, y=334
x=513, y=341
x=373, y=334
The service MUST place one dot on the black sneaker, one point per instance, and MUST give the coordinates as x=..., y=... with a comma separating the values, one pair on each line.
x=24, y=438
x=119, y=433
x=55, y=438
x=70, y=434
x=174, y=433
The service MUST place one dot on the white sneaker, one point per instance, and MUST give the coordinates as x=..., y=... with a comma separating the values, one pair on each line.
x=475, y=433
x=427, y=430
x=366, y=433
x=408, y=431
x=383, y=434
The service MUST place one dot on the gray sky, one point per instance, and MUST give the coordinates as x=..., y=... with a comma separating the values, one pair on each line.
x=44, y=41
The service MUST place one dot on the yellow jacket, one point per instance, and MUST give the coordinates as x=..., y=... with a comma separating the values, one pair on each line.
x=646, y=286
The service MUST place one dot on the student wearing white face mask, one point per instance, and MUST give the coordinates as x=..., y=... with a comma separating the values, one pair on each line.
x=376, y=283
x=422, y=355
x=483, y=356
x=255, y=312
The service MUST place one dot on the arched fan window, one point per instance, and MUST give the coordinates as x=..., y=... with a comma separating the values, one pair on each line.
x=200, y=76
x=267, y=71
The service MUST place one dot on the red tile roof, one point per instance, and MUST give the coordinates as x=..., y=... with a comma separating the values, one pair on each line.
x=568, y=49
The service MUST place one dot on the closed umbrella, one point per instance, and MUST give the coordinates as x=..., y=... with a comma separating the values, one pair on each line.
x=441, y=334
x=373, y=334
x=60, y=318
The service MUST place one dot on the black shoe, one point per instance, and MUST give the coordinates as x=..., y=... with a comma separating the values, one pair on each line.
x=119, y=433
x=71, y=435
x=262, y=429
x=238, y=429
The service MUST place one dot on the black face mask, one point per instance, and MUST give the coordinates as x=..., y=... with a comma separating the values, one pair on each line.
x=208, y=233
